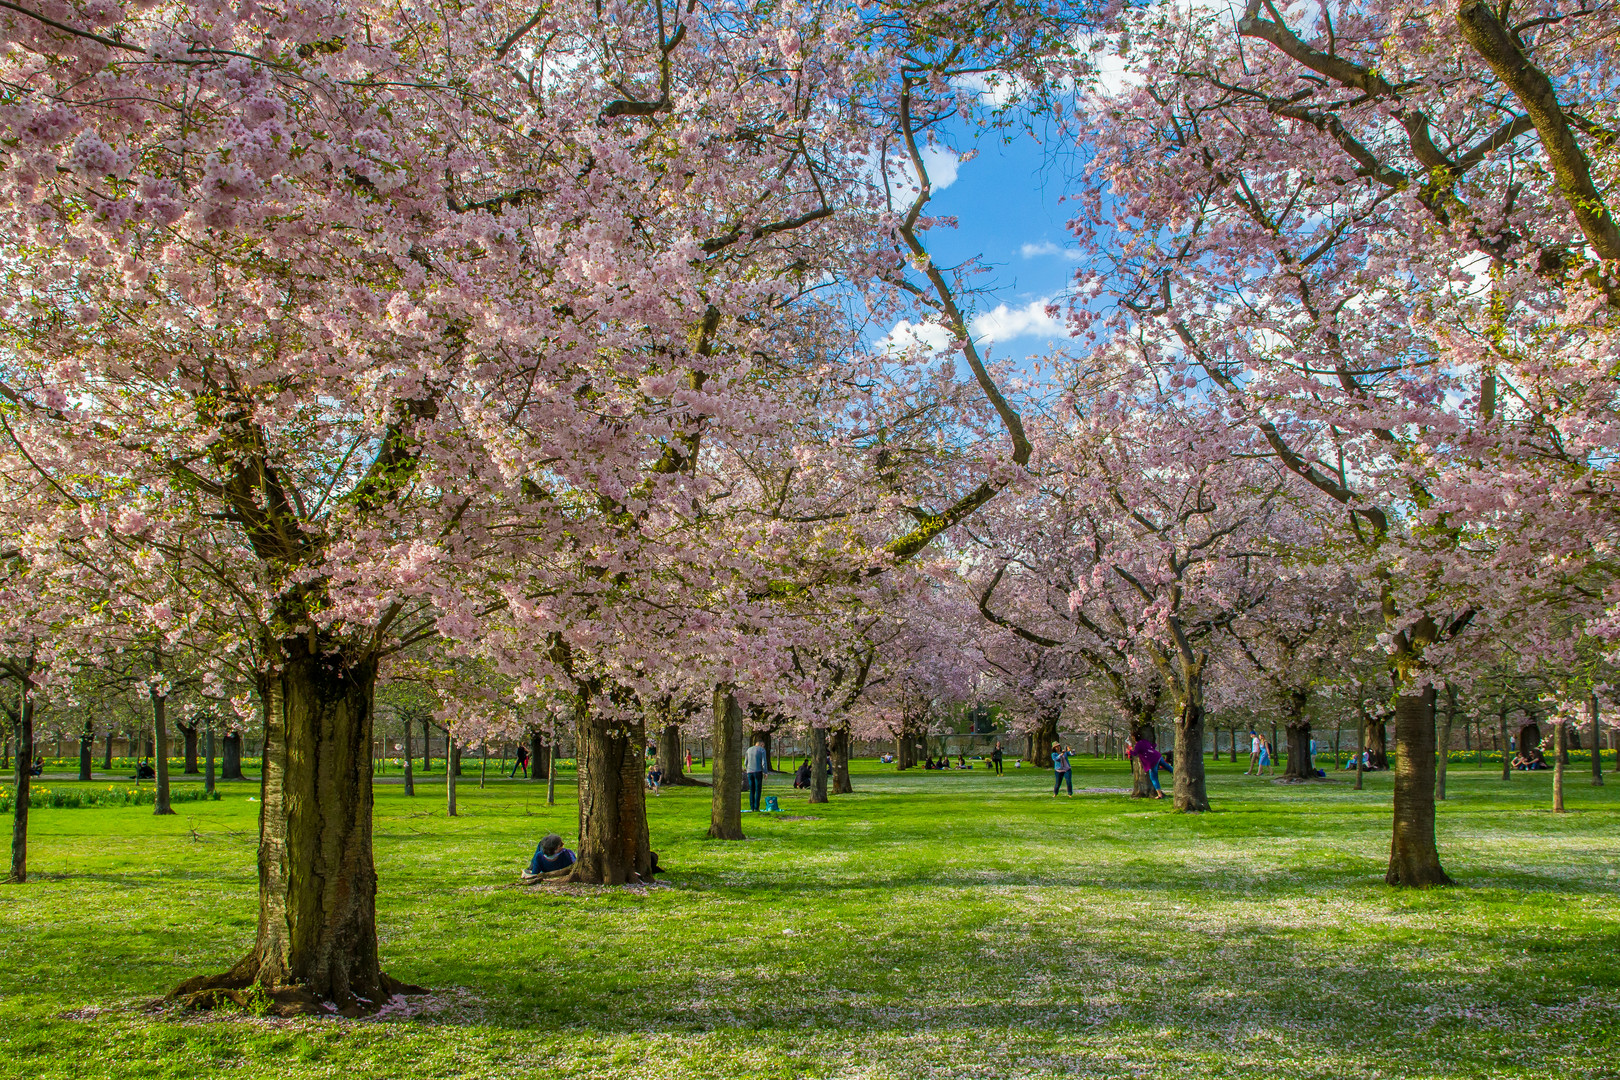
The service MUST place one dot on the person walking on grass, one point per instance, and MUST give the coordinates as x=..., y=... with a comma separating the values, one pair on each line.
x=1264, y=761
x=995, y=758
x=522, y=761
x=1061, y=772
x=754, y=767
x=1255, y=742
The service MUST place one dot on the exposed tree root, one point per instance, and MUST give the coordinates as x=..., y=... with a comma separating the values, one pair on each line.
x=237, y=988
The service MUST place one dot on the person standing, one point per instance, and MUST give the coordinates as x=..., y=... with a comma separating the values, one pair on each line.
x=1061, y=771
x=754, y=767
x=995, y=758
x=1265, y=757
x=522, y=761
x=1255, y=743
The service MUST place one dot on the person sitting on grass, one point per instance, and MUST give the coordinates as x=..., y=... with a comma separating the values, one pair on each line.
x=550, y=858
x=961, y=762
x=801, y=778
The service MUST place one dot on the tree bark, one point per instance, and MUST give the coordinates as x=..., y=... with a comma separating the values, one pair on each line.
x=1507, y=759
x=551, y=775
x=24, y=759
x=725, y=803
x=539, y=755
x=160, y=735
x=614, y=847
x=87, y=746
x=106, y=753
x=231, y=757
x=189, y=733
x=840, y=760
x=1560, y=758
x=1414, y=860
x=208, y=753
x=818, y=764
x=1297, y=727
x=1378, y=755
x=452, y=769
x=1361, y=740
x=1597, y=741
x=1046, y=733
x=410, y=752
x=317, y=933
x=1190, y=793
x=427, y=748
x=670, y=760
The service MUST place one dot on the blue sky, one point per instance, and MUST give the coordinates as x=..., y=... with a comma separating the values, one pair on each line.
x=1007, y=204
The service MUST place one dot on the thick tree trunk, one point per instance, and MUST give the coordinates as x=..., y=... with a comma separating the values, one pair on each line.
x=539, y=755
x=208, y=757
x=1560, y=759
x=1297, y=728
x=230, y=767
x=902, y=752
x=818, y=764
x=671, y=762
x=1414, y=860
x=1141, y=784
x=106, y=753
x=87, y=746
x=160, y=733
x=1597, y=742
x=840, y=761
x=409, y=753
x=452, y=770
x=1190, y=793
x=24, y=759
x=725, y=804
x=317, y=933
x=1443, y=750
x=189, y=733
x=614, y=848
x=1507, y=757
x=1046, y=733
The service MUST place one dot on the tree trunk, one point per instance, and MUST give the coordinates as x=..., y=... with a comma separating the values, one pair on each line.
x=24, y=759
x=410, y=752
x=725, y=804
x=614, y=848
x=840, y=761
x=160, y=734
x=189, y=733
x=230, y=767
x=1046, y=733
x=818, y=764
x=106, y=752
x=1361, y=741
x=1189, y=790
x=1507, y=759
x=483, y=765
x=901, y=752
x=670, y=760
x=452, y=769
x=317, y=932
x=208, y=755
x=1443, y=751
x=1414, y=860
x=1141, y=784
x=1560, y=758
x=427, y=748
x=1597, y=742
x=1297, y=727
x=551, y=776
x=87, y=746
x=539, y=755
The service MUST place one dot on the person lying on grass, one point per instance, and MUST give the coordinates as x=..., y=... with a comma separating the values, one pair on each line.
x=550, y=858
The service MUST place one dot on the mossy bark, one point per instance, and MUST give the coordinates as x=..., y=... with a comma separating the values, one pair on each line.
x=725, y=803
x=316, y=945
x=1414, y=858
x=614, y=847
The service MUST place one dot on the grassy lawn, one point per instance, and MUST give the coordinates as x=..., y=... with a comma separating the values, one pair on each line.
x=950, y=925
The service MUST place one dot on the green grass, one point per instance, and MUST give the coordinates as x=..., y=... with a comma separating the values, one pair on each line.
x=953, y=925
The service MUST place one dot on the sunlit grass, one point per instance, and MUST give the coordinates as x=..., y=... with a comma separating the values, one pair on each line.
x=933, y=924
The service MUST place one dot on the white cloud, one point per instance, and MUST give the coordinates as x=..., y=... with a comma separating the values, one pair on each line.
x=942, y=164
x=1003, y=323
x=1045, y=249
x=907, y=335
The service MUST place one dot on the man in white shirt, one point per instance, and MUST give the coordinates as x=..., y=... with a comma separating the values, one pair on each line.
x=1254, y=754
x=754, y=768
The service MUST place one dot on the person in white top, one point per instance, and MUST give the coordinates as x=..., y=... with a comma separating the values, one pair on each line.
x=1254, y=753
